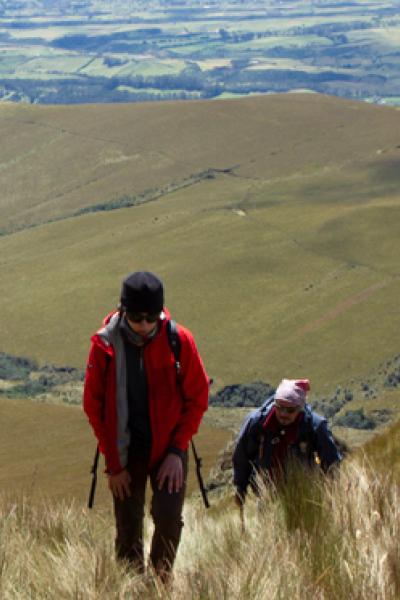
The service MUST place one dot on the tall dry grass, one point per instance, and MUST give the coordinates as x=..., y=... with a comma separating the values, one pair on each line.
x=314, y=538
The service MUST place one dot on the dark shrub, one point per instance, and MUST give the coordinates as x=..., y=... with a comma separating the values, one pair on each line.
x=356, y=419
x=15, y=367
x=348, y=395
x=237, y=395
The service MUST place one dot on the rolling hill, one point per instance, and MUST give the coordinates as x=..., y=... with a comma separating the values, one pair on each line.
x=278, y=246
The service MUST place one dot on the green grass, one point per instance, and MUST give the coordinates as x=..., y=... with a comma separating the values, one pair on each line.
x=291, y=41
x=391, y=100
x=156, y=92
x=386, y=37
x=198, y=50
x=154, y=68
x=53, y=64
x=8, y=64
x=286, y=268
x=145, y=67
x=200, y=41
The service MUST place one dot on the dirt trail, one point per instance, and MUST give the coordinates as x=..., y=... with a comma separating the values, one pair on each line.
x=341, y=308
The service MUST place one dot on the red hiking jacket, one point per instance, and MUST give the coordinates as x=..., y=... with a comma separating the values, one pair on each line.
x=175, y=410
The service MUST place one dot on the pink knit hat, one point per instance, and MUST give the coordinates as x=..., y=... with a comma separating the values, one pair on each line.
x=293, y=391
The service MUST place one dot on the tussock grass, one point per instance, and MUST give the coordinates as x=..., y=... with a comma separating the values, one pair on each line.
x=383, y=451
x=315, y=538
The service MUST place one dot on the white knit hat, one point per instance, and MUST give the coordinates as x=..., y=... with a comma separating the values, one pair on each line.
x=293, y=391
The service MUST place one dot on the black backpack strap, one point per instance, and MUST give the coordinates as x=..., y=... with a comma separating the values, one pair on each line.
x=264, y=410
x=175, y=343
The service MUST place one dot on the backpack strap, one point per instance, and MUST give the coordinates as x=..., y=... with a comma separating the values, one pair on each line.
x=306, y=429
x=175, y=343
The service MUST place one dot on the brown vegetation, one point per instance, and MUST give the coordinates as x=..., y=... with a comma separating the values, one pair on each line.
x=317, y=539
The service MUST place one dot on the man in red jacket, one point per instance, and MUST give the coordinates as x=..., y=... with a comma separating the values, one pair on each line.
x=144, y=418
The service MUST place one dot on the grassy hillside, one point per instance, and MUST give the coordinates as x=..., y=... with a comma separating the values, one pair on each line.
x=48, y=451
x=60, y=158
x=283, y=265
x=384, y=452
x=312, y=539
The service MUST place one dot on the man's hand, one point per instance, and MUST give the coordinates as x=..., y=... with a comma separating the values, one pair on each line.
x=171, y=470
x=119, y=484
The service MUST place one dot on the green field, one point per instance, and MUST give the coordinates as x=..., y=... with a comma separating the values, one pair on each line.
x=159, y=94
x=346, y=50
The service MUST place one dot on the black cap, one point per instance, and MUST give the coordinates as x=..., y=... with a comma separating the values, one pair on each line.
x=142, y=292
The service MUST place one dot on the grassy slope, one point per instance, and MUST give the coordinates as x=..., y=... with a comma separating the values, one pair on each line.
x=337, y=540
x=61, y=158
x=311, y=268
x=286, y=267
x=48, y=450
x=384, y=452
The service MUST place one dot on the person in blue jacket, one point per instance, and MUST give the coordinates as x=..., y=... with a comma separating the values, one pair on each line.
x=284, y=426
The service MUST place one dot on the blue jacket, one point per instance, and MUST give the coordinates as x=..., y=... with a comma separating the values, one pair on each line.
x=314, y=437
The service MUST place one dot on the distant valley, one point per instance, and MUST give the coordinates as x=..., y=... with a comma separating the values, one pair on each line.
x=95, y=51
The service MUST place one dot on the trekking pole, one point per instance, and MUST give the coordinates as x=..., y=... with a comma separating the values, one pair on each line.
x=197, y=460
x=93, y=471
x=241, y=509
x=175, y=344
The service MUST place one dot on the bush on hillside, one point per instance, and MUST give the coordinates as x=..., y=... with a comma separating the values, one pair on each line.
x=393, y=379
x=27, y=389
x=33, y=380
x=15, y=367
x=127, y=201
x=121, y=202
x=238, y=395
x=328, y=408
x=348, y=395
x=356, y=419
x=382, y=415
x=57, y=375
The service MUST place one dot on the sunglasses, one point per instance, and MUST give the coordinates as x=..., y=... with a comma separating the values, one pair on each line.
x=139, y=317
x=289, y=410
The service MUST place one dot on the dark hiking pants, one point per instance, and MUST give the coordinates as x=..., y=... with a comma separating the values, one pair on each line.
x=166, y=512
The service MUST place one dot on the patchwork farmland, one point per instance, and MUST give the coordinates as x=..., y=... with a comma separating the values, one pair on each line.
x=133, y=51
